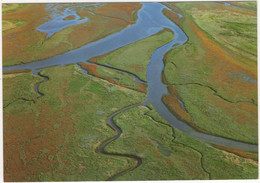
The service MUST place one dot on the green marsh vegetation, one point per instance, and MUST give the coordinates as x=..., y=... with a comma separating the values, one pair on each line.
x=19, y=87
x=212, y=93
x=119, y=77
x=170, y=154
x=134, y=58
x=63, y=128
x=238, y=35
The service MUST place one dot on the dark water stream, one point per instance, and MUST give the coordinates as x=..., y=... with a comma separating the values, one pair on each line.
x=150, y=21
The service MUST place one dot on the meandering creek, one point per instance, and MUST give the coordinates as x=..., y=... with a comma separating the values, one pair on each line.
x=150, y=21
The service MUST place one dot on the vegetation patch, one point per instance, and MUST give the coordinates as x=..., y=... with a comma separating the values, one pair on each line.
x=54, y=139
x=237, y=35
x=134, y=58
x=70, y=17
x=19, y=86
x=114, y=76
x=169, y=154
x=213, y=95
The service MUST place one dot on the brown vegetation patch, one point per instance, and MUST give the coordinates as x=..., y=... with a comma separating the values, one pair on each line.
x=33, y=44
x=17, y=71
x=90, y=68
x=31, y=141
x=70, y=17
x=92, y=71
x=96, y=28
x=173, y=17
x=24, y=35
x=143, y=87
x=95, y=59
x=138, y=68
x=236, y=11
x=237, y=152
x=222, y=63
x=171, y=101
x=124, y=11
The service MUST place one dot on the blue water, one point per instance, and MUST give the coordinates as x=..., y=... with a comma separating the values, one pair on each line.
x=57, y=22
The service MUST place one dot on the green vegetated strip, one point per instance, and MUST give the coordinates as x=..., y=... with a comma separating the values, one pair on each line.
x=172, y=157
x=209, y=111
x=217, y=116
x=57, y=141
x=19, y=87
x=135, y=57
x=120, y=77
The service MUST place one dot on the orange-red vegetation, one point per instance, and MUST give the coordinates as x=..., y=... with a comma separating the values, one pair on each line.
x=17, y=71
x=223, y=63
x=223, y=7
x=92, y=71
x=24, y=44
x=138, y=68
x=31, y=146
x=24, y=36
x=237, y=152
x=95, y=59
x=70, y=17
x=174, y=105
x=123, y=11
x=114, y=18
x=173, y=17
x=171, y=101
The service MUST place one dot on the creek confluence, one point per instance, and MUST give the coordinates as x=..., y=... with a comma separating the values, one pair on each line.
x=150, y=21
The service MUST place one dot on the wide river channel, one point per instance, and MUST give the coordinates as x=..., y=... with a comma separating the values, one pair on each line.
x=150, y=21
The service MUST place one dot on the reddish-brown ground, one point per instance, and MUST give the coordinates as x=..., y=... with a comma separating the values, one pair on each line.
x=33, y=147
x=171, y=101
x=71, y=17
x=115, y=17
x=24, y=44
x=173, y=17
x=238, y=152
x=174, y=105
x=124, y=11
x=92, y=71
x=223, y=7
x=214, y=53
x=95, y=59
x=16, y=71
x=24, y=35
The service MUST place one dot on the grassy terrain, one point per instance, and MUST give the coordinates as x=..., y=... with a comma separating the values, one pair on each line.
x=166, y=157
x=238, y=35
x=218, y=89
x=19, y=87
x=131, y=58
x=245, y=4
x=8, y=8
x=113, y=76
x=55, y=138
x=33, y=45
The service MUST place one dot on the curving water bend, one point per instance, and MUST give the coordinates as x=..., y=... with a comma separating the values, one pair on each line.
x=150, y=21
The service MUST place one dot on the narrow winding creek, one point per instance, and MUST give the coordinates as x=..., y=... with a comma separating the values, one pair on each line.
x=150, y=21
